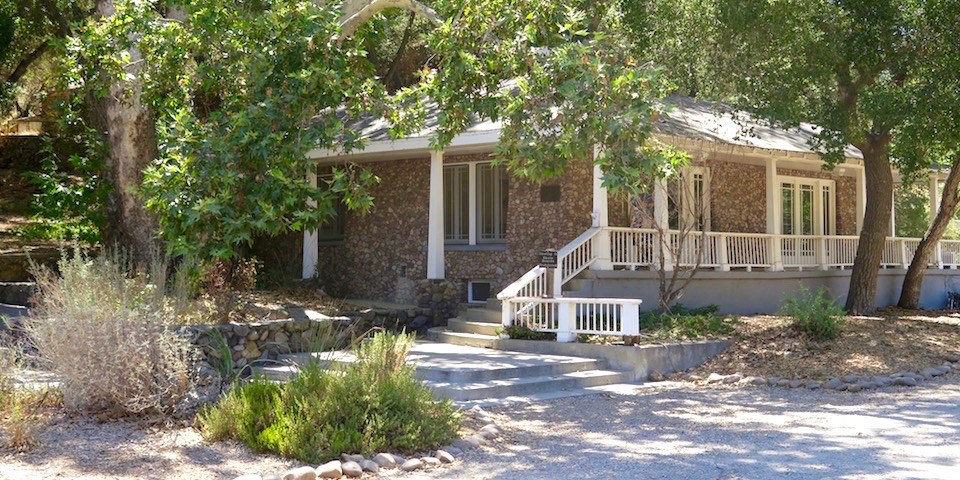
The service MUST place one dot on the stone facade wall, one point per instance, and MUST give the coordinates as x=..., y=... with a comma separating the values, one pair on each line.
x=383, y=253
x=738, y=197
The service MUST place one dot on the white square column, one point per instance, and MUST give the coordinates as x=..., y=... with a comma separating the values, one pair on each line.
x=861, y=196
x=601, y=217
x=934, y=196
x=311, y=238
x=661, y=221
x=435, y=226
x=774, y=214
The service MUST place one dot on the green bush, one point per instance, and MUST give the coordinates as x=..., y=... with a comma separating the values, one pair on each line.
x=814, y=314
x=520, y=332
x=686, y=323
x=371, y=405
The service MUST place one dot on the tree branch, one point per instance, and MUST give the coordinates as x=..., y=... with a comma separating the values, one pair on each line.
x=26, y=61
x=351, y=20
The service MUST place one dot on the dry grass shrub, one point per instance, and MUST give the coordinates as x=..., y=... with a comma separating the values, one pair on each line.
x=22, y=411
x=105, y=326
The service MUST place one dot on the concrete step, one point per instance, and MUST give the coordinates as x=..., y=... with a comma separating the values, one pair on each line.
x=445, y=335
x=17, y=293
x=462, y=392
x=493, y=304
x=465, y=326
x=482, y=315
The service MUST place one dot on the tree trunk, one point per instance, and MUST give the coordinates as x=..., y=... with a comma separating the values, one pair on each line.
x=130, y=135
x=862, y=294
x=910, y=292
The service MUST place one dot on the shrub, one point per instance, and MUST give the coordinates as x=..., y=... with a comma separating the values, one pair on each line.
x=106, y=328
x=814, y=314
x=686, y=323
x=21, y=415
x=370, y=405
x=520, y=332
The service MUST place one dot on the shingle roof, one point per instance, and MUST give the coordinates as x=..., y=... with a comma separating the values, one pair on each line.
x=687, y=117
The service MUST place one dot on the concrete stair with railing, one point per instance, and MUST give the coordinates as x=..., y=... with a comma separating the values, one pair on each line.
x=469, y=374
x=475, y=326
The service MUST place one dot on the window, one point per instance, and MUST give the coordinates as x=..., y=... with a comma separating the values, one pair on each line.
x=332, y=229
x=807, y=206
x=475, y=203
x=478, y=291
x=688, y=199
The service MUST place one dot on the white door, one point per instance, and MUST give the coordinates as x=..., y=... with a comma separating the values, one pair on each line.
x=807, y=210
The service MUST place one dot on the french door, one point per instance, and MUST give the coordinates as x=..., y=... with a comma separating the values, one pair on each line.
x=807, y=208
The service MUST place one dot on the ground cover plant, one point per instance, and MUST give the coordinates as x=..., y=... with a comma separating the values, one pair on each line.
x=370, y=405
x=814, y=313
x=683, y=323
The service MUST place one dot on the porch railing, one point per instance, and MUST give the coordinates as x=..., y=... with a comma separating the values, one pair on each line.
x=535, y=300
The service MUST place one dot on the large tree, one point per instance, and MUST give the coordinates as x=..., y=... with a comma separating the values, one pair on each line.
x=240, y=91
x=856, y=69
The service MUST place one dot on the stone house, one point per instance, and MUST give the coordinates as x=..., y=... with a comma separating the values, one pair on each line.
x=773, y=219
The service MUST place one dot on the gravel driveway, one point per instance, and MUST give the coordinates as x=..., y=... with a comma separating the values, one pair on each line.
x=726, y=433
x=654, y=431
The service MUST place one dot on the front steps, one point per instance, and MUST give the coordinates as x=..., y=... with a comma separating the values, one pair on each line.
x=477, y=326
x=470, y=374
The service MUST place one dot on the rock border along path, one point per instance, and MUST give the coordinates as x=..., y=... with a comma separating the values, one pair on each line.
x=845, y=383
x=356, y=466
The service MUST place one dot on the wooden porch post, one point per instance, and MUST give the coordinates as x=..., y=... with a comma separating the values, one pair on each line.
x=773, y=216
x=435, y=226
x=661, y=218
x=601, y=218
x=311, y=238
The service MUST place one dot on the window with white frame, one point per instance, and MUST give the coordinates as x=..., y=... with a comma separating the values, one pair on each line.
x=807, y=206
x=689, y=199
x=475, y=203
x=332, y=229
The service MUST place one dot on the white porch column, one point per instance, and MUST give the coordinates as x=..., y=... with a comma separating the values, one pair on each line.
x=893, y=211
x=861, y=196
x=435, y=226
x=661, y=219
x=773, y=215
x=311, y=238
x=601, y=218
x=934, y=196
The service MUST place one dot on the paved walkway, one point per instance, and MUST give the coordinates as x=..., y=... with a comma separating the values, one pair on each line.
x=719, y=433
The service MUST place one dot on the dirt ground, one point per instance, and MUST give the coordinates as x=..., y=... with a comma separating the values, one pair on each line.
x=893, y=341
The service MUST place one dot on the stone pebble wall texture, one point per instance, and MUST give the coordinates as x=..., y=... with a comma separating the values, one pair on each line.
x=383, y=254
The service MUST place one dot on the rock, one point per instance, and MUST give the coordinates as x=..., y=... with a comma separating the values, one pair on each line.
x=656, y=376
x=715, y=378
x=444, y=457
x=952, y=357
x=797, y=383
x=730, y=379
x=350, y=458
x=850, y=378
x=333, y=469
x=385, y=460
x=773, y=381
x=369, y=466
x=431, y=462
x=271, y=476
x=833, y=383
x=456, y=452
x=466, y=443
x=249, y=476
x=411, y=465
x=784, y=383
x=489, y=431
x=351, y=469
x=756, y=381
x=811, y=385
x=419, y=322
x=944, y=369
x=854, y=387
x=930, y=372
x=302, y=473
x=905, y=381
